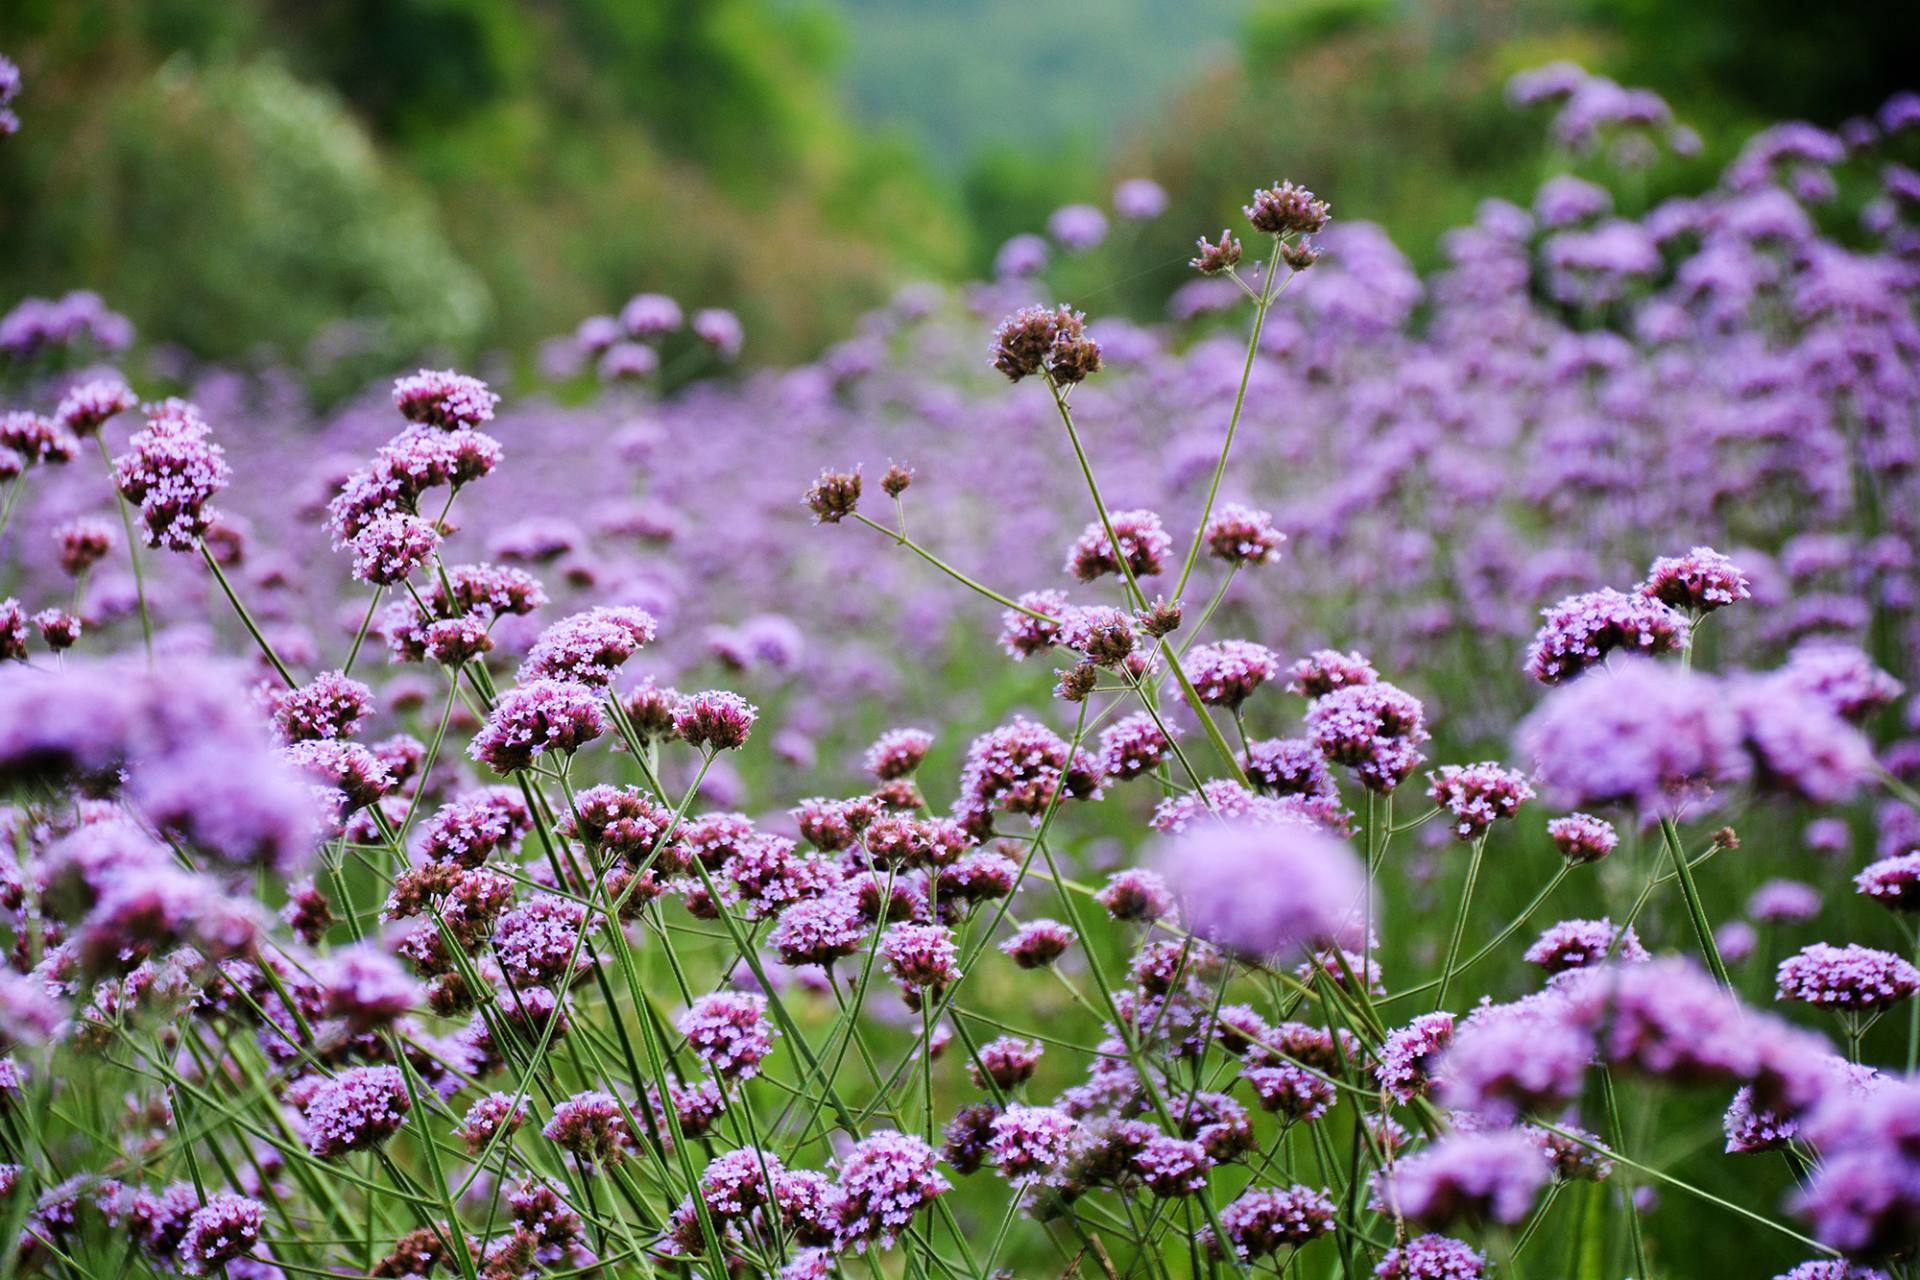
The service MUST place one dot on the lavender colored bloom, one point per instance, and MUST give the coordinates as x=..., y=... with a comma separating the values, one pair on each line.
x=1326, y=670
x=87, y=406
x=1852, y=977
x=356, y=1110
x=1038, y=943
x=1512, y=1060
x=1864, y=1196
x=1700, y=581
x=1144, y=542
x=591, y=1127
x=715, y=720
x=1581, y=631
x=1262, y=890
x=1227, y=673
x=897, y=753
x=1028, y=1141
x=1375, y=729
x=721, y=330
x=1477, y=795
x=328, y=706
x=1289, y=1089
x=1466, y=1178
x=1021, y=256
x=1784, y=902
x=1287, y=210
x=172, y=469
x=494, y=1116
x=819, y=930
x=588, y=648
x=922, y=957
x=366, y=987
x=1581, y=837
x=1641, y=735
x=650, y=315
x=533, y=718
x=1581, y=944
x=1409, y=1054
x=1240, y=535
x=1078, y=227
x=1172, y=1166
x=444, y=399
x=1139, y=199
x=1893, y=882
x=1841, y=676
x=1054, y=342
x=227, y=1227
x=1264, y=1220
x=886, y=1179
x=1797, y=746
x=1432, y=1257
x=729, y=1031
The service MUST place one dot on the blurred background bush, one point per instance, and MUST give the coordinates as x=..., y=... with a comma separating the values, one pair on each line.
x=349, y=184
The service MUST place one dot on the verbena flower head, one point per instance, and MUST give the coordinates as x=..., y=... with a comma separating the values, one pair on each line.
x=1375, y=729
x=84, y=542
x=887, y=1178
x=819, y=930
x=172, y=469
x=1216, y=257
x=1262, y=890
x=1514, y=1060
x=1240, y=535
x=1103, y=634
x=1134, y=746
x=392, y=547
x=329, y=706
x=897, y=753
x=1326, y=670
x=1780, y=901
x=1796, y=745
x=1640, y=735
x=1287, y=210
x=1023, y=635
x=1581, y=837
x=591, y=1127
x=1699, y=582
x=834, y=496
x=227, y=1227
x=1227, y=673
x=1408, y=1055
x=1579, y=944
x=1432, y=1257
x=444, y=399
x=1026, y=1141
x=1136, y=894
x=1851, y=977
x=1264, y=1220
x=715, y=720
x=1144, y=542
x=1477, y=795
x=1581, y=631
x=356, y=1110
x=534, y=718
x=588, y=648
x=1038, y=943
x=921, y=957
x=1466, y=1178
x=1041, y=340
x=1842, y=677
x=729, y=1031
x=494, y=1115
x=89, y=405
x=1893, y=882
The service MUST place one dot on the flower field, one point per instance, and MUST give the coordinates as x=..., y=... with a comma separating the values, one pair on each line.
x=1373, y=774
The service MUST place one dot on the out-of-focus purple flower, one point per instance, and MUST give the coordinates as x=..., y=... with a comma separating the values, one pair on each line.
x=650, y=315
x=1640, y=734
x=1784, y=902
x=1409, y=1054
x=1021, y=256
x=721, y=330
x=1262, y=890
x=1466, y=1178
x=1078, y=227
x=1139, y=199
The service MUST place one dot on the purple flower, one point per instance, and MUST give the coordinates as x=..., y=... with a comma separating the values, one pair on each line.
x=1797, y=746
x=1893, y=882
x=88, y=405
x=1143, y=541
x=171, y=469
x=1139, y=199
x=356, y=1110
x=1511, y=1060
x=1038, y=943
x=1241, y=535
x=1639, y=734
x=1225, y=674
x=1078, y=227
x=1852, y=977
x=536, y=717
x=1466, y=1178
x=328, y=706
x=922, y=957
x=1027, y=1141
x=1784, y=902
x=1172, y=1166
x=1477, y=795
x=225, y=1228
x=1841, y=676
x=1285, y=209
x=897, y=753
x=1022, y=635
x=588, y=648
x=444, y=399
x=1036, y=340
x=494, y=1114
x=721, y=330
x=1581, y=837
x=1432, y=1257
x=1700, y=581
x=715, y=720
x=366, y=987
x=1261, y=890
x=729, y=1031
x=1264, y=1220
x=591, y=1127
x=650, y=315
x=1374, y=728
x=1291, y=1090
x=1409, y=1054
x=886, y=1179
x=1581, y=631
x=1864, y=1196
x=1581, y=944
x=392, y=546
x=819, y=930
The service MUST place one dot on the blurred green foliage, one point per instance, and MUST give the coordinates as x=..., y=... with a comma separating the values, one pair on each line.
x=352, y=183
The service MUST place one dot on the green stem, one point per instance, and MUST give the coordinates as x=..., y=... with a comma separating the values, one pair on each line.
x=1696, y=910
x=246, y=618
x=1460, y=921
